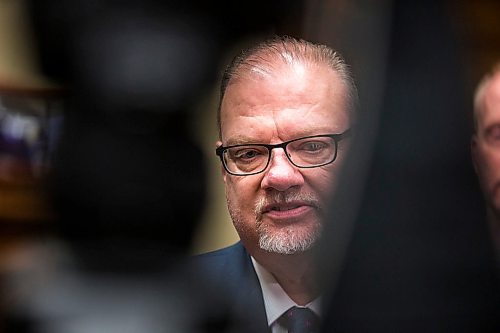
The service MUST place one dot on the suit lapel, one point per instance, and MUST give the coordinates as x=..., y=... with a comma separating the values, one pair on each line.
x=249, y=307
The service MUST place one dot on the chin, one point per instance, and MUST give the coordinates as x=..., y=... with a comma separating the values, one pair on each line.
x=288, y=241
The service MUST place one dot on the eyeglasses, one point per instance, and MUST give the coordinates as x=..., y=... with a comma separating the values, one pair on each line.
x=307, y=152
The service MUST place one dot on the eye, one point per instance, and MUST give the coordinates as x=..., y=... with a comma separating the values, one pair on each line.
x=492, y=135
x=246, y=154
x=313, y=146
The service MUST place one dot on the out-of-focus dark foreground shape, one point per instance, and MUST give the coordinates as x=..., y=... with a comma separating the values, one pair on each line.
x=128, y=183
x=417, y=256
x=136, y=69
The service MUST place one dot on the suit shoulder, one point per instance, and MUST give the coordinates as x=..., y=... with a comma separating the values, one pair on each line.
x=225, y=252
x=232, y=262
x=226, y=256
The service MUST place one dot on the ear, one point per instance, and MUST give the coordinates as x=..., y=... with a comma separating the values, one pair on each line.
x=223, y=172
x=474, y=152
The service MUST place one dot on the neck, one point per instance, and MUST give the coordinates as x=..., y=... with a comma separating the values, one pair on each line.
x=295, y=274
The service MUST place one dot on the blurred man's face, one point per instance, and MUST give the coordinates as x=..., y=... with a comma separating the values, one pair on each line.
x=486, y=143
x=281, y=209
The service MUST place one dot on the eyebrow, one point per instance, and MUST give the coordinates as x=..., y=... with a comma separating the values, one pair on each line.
x=243, y=139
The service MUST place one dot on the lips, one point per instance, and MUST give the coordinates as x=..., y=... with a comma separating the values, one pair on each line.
x=283, y=207
x=289, y=211
x=287, y=206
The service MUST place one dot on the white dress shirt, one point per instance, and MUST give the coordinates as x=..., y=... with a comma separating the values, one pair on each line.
x=276, y=300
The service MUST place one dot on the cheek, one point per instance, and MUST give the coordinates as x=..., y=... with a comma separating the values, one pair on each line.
x=323, y=181
x=242, y=191
x=489, y=166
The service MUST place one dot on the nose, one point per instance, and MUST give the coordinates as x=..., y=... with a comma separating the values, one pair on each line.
x=281, y=174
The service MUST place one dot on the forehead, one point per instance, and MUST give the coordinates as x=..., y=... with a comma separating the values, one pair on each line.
x=489, y=108
x=289, y=100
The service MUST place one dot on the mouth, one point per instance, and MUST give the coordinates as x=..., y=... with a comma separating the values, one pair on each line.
x=283, y=207
x=287, y=210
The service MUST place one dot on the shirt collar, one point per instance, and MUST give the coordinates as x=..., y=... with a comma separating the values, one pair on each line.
x=276, y=299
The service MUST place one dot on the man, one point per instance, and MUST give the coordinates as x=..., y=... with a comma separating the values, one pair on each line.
x=485, y=146
x=284, y=119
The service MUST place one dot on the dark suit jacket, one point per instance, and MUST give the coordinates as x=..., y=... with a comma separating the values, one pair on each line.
x=231, y=285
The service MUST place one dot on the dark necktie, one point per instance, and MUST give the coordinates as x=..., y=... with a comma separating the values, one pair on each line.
x=300, y=320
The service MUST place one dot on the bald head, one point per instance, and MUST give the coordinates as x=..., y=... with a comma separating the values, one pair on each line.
x=272, y=56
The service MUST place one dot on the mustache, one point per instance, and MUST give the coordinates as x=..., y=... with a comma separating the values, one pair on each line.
x=275, y=198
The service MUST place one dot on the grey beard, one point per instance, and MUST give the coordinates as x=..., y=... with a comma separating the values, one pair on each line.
x=287, y=241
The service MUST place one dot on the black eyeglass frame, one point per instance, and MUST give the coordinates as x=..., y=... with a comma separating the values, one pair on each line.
x=219, y=151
